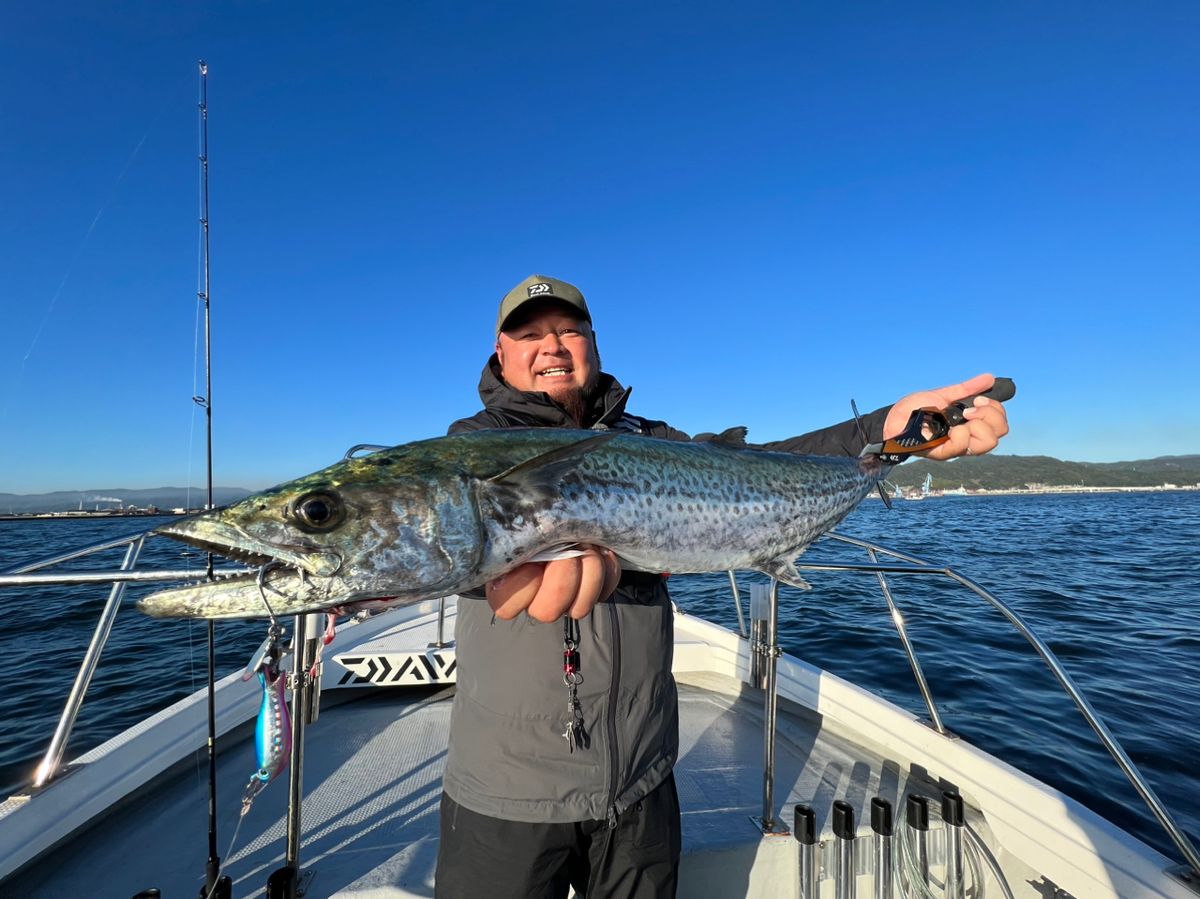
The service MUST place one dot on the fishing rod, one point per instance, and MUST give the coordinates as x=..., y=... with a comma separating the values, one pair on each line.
x=215, y=886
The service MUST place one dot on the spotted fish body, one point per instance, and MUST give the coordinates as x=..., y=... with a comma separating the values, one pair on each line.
x=440, y=516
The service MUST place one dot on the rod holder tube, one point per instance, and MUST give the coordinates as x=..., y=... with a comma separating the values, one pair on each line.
x=952, y=814
x=881, y=844
x=770, y=708
x=804, y=829
x=296, y=779
x=312, y=668
x=843, y=830
x=917, y=814
x=83, y=678
x=760, y=613
x=757, y=642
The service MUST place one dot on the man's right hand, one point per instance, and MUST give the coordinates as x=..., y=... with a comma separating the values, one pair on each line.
x=549, y=590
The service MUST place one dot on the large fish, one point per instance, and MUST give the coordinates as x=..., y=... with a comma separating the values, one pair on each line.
x=440, y=516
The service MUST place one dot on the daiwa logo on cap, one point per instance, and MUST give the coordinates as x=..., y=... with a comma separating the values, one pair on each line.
x=536, y=290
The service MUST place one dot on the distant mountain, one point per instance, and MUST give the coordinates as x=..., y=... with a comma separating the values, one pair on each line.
x=996, y=472
x=163, y=498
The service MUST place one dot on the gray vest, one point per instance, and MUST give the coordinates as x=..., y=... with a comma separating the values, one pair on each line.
x=508, y=757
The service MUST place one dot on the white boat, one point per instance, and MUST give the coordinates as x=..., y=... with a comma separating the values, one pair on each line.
x=769, y=746
x=792, y=782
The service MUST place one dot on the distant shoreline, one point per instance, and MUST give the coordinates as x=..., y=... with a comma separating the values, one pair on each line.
x=100, y=513
x=914, y=493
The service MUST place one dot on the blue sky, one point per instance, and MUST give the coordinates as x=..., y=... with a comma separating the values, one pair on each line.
x=772, y=208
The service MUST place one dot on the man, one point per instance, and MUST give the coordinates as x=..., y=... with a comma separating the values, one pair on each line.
x=559, y=772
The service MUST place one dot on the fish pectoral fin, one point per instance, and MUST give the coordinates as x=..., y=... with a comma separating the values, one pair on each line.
x=554, y=553
x=545, y=471
x=783, y=569
x=630, y=565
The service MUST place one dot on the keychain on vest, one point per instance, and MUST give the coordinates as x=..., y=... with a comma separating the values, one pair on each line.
x=574, y=734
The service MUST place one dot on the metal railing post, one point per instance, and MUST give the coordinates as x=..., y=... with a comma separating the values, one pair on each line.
x=898, y=620
x=441, y=643
x=737, y=604
x=83, y=678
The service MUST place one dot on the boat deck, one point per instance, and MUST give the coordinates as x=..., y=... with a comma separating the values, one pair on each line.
x=372, y=784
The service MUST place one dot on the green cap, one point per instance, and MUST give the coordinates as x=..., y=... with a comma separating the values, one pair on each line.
x=538, y=289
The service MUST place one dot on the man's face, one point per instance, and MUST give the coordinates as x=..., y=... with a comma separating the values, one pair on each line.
x=551, y=350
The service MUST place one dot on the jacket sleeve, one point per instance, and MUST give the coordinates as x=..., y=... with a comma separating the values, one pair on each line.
x=477, y=422
x=652, y=428
x=839, y=440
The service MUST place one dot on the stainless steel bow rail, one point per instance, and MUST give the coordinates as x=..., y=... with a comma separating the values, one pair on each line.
x=25, y=576
x=765, y=651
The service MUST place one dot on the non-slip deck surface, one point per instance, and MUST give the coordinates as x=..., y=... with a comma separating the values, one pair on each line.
x=372, y=783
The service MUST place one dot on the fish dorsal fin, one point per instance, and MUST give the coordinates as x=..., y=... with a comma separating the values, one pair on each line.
x=732, y=437
x=735, y=437
x=545, y=471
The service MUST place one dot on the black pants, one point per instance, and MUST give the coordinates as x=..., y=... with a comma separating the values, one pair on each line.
x=482, y=856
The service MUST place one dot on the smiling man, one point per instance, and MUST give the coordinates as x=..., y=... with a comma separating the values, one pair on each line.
x=564, y=729
x=545, y=342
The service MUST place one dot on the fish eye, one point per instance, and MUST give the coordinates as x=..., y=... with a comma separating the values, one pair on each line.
x=316, y=511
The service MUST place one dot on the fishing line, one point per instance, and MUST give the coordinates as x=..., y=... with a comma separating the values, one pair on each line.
x=195, y=357
x=217, y=880
x=911, y=883
x=191, y=622
x=977, y=844
x=112, y=195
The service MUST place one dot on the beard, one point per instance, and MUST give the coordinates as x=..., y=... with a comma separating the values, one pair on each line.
x=576, y=400
x=575, y=404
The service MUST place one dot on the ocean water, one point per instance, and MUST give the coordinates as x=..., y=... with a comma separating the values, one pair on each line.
x=1109, y=581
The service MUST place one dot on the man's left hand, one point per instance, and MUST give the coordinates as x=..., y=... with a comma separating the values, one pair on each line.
x=549, y=590
x=986, y=421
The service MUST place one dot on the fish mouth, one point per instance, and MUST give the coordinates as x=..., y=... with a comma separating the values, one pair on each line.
x=230, y=541
x=262, y=595
x=292, y=579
